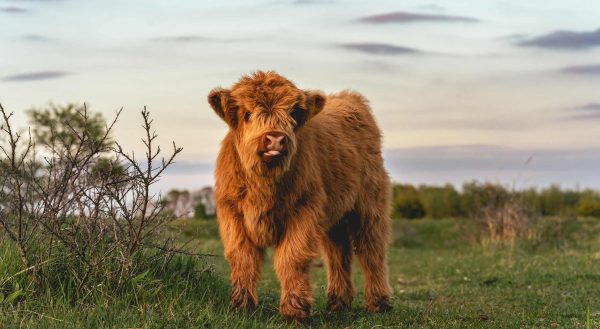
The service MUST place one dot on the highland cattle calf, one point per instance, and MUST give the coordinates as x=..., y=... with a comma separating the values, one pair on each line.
x=301, y=171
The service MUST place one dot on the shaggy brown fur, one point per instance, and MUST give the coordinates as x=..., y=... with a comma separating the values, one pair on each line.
x=324, y=187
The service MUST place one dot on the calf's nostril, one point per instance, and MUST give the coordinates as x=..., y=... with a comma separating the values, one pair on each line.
x=276, y=139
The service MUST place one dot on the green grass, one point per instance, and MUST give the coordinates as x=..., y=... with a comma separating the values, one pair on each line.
x=441, y=279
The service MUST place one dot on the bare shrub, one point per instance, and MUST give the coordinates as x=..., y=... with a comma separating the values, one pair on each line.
x=501, y=215
x=507, y=222
x=79, y=200
x=16, y=169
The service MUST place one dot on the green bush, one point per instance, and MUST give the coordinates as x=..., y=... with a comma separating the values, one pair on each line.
x=589, y=208
x=477, y=196
x=441, y=202
x=409, y=207
x=407, y=203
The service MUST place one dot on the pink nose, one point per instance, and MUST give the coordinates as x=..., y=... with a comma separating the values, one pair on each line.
x=274, y=141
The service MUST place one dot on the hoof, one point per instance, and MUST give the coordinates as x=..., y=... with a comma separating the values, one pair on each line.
x=336, y=304
x=379, y=305
x=242, y=299
x=295, y=309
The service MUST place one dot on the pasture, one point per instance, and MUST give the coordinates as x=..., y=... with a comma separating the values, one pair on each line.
x=443, y=274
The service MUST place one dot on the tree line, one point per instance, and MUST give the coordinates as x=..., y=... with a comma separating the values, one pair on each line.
x=426, y=201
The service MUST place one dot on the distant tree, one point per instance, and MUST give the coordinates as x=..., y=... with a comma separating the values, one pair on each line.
x=440, y=202
x=66, y=127
x=173, y=201
x=530, y=200
x=69, y=125
x=452, y=199
x=200, y=211
x=181, y=203
x=477, y=196
x=106, y=169
x=551, y=201
x=445, y=201
x=206, y=196
x=407, y=203
x=173, y=196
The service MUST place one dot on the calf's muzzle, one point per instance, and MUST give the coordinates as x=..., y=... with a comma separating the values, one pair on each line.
x=274, y=145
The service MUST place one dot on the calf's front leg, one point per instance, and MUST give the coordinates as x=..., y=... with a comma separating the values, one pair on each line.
x=245, y=260
x=245, y=264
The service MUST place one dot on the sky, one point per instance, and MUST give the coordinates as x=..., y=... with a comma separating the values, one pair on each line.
x=500, y=91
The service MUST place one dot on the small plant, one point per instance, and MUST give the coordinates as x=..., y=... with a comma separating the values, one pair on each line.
x=587, y=318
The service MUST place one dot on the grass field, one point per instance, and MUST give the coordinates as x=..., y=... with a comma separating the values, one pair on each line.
x=440, y=276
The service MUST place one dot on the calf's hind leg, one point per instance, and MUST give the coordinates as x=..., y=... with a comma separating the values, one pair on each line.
x=371, y=241
x=337, y=250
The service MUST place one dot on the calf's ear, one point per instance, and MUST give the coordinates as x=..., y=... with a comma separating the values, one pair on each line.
x=221, y=102
x=315, y=101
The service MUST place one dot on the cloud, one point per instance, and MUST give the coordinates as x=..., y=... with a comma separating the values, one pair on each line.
x=588, y=107
x=183, y=38
x=35, y=76
x=490, y=123
x=458, y=157
x=377, y=66
x=35, y=37
x=493, y=157
x=312, y=2
x=13, y=10
x=432, y=7
x=590, y=111
x=586, y=116
x=593, y=69
x=379, y=48
x=523, y=167
x=402, y=17
x=180, y=168
x=565, y=40
x=34, y=0
x=514, y=37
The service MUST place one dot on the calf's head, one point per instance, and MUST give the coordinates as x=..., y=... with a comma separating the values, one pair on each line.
x=265, y=111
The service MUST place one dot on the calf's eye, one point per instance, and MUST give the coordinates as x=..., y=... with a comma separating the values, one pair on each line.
x=247, y=116
x=298, y=115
